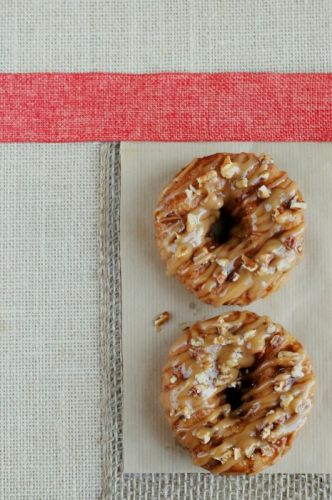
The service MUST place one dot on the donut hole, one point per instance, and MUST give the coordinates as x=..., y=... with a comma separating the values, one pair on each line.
x=220, y=231
x=234, y=395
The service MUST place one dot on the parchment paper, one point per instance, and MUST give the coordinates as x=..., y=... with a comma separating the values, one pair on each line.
x=302, y=305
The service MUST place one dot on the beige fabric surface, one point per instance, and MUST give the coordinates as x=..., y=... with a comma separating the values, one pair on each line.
x=50, y=384
x=165, y=35
x=302, y=305
x=49, y=322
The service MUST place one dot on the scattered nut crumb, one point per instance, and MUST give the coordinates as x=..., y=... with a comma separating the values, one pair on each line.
x=234, y=277
x=207, y=177
x=192, y=193
x=186, y=412
x=228, y=169
x=198, y=342
x=263, y=192
x=271, y=328
x=264, y=176
x=236, y=356
x=161, y=320
x=249, y=264
x=265, y=432
x=250, y=334
x=250, y=450
x=297, y=371
x=294, y=204
x=192, y=222
x=268, y=207
x=267, y=451
x=173, y=379
x=237, y=453
x=202, y=378
x=221, y=340
x=242, y=183
x=204, y=435
x=282, y=385
x=203, y=256
x=224, y=457
x=222, y=262
x=285, y=400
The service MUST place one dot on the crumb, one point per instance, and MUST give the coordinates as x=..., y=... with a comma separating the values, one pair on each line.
x=222, y=262
x=234, y=277
x=197, y=342
x=250, y=334
x=263, y=192
x=271, y=328
x=249, y=264
x=264, y=176
x=265, y=432
x=242, y=183
x=250, y=450
x=297, y=371
x=161, y=319
x=285, y=400
x=204, y=435
x=211, y=174
x=229, y=169
x=294, y=204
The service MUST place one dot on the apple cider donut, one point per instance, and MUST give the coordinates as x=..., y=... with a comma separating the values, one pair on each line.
x=236, y=389
x=230, y=227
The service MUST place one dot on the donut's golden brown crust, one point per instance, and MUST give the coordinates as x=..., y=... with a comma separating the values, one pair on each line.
x=270, y=374
x=264, y=245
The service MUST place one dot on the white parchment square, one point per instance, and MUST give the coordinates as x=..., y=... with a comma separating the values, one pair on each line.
x=302, y=305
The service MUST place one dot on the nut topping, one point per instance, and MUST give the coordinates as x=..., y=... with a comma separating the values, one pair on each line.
x=249, y=264
x=161, y=319
x=229, y=169
x=263, y=192
x=294, y=205
x=242, y=183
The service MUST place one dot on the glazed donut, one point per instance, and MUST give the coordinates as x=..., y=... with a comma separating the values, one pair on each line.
x=230, y=227
x=236, y=389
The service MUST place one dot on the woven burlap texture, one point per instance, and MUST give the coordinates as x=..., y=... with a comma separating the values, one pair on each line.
x=169, y=35
x=49, y=322
x=120, y=486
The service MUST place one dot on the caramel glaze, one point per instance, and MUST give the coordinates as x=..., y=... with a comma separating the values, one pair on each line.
x=264, y=245
x=274, y=381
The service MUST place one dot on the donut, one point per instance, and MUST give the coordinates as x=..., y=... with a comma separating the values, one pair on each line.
x=230, y=227
x=236, y=389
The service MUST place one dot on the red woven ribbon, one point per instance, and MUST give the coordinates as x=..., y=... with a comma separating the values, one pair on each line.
x=66, y=107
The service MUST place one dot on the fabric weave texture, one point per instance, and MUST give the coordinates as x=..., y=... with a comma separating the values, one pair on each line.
x=181, y=486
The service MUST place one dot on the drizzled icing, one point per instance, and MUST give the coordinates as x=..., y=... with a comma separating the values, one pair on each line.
x=270, y=213
x=274, y=380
